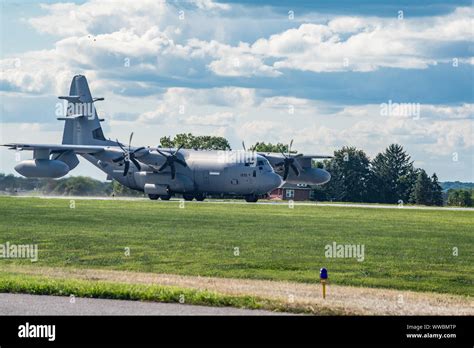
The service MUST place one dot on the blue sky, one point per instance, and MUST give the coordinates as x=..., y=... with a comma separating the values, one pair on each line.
x=318, y=72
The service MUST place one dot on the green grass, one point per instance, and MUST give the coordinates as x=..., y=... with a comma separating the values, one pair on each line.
x=404, y=249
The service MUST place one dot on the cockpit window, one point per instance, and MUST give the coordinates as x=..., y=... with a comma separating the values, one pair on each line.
x=260, y=162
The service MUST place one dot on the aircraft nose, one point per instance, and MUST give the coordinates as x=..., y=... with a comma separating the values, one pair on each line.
x=269, y=182
x=326, y=176
x=276, y=180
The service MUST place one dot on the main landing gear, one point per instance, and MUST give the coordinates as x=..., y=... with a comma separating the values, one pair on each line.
x=163, y=197
x=189, y=197
x=251, y=198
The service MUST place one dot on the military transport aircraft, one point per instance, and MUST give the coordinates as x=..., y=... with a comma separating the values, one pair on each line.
x=162, y=172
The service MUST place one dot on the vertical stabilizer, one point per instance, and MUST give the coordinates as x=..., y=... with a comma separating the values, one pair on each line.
x=82, y=125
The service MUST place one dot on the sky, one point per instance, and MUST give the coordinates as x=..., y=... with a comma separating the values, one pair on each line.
x=326, y=74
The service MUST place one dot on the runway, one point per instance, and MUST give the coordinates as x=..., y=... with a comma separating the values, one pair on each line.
x=22, y=304
x=285, y=203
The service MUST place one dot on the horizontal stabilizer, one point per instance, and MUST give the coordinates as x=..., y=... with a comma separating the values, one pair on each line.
x=71, y=98
x=70, y=117
x=54, y=148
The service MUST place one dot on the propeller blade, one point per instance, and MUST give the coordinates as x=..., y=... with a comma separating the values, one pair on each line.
x=126, y=167
x=135, y=162
x=121, y=146
x=285, y=175
x=162, y=153
x=177, y=160
x=163, y=166
x=173, y=170
x=139, y=149
x=179, y=148
x=119, y=159
x=130, y=141
x=295, y=169
x=289, y=147
x=243, y=145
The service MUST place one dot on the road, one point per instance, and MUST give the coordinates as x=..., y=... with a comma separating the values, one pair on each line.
x=23, y=304
x=219, y=201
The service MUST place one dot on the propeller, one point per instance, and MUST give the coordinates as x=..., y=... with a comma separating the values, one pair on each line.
x=252, y=148
x=289, y=162
x=128, y=156
x=171, y=159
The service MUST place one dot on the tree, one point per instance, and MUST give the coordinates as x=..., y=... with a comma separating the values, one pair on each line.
x=77, y=186
x=436, y=191
x=460, y=198
x=120, y=190
x=422, y=191
x=350, y=176
x=393, y=175
x=263, y=147
x=201, y=142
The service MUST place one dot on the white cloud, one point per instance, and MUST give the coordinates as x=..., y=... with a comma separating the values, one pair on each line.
x=192, y=105
x=217, y=119
x=105, y=36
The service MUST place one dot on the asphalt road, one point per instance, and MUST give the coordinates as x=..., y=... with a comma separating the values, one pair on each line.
x=305, y=203
x=22, y=304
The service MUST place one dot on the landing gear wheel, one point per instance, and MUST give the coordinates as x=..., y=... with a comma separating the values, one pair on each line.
x=251, y=198
x=188, y=197
x=165, y=197
x=200, y=198
x=153, y=197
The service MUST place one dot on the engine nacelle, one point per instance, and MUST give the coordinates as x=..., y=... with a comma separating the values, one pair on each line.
x=42, y=168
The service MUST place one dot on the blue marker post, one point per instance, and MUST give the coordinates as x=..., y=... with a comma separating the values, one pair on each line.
x=323, y=276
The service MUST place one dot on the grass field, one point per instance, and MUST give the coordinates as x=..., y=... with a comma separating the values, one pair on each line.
x=404, y=249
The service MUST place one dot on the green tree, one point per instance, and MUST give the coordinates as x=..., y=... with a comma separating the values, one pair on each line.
x=422, y=191
x=393, y=175
x=201, y=142
x=117, y=189
x=77, y=186
x=269, y=147
x=436, y=191
x=350, y=177
x=460, y=198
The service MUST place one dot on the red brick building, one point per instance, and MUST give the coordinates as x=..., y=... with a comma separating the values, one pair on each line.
x=296, y=192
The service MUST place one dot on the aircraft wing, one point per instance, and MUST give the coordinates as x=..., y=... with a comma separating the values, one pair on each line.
x=304, y=160
x=279, y=155
x=56, y=147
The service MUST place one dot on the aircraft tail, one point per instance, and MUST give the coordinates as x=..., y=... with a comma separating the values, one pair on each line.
x=82, y=125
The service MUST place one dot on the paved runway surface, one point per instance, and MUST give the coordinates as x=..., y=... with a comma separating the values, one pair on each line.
x=305, y=203
x=22, y=304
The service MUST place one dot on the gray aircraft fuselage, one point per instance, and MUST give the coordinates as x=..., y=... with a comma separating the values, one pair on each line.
x=207, y=172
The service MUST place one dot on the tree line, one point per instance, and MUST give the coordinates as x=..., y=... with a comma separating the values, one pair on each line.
x=71, y=186
x=389, y=178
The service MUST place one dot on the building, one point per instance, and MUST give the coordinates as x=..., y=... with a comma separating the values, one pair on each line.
x=296, y=192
